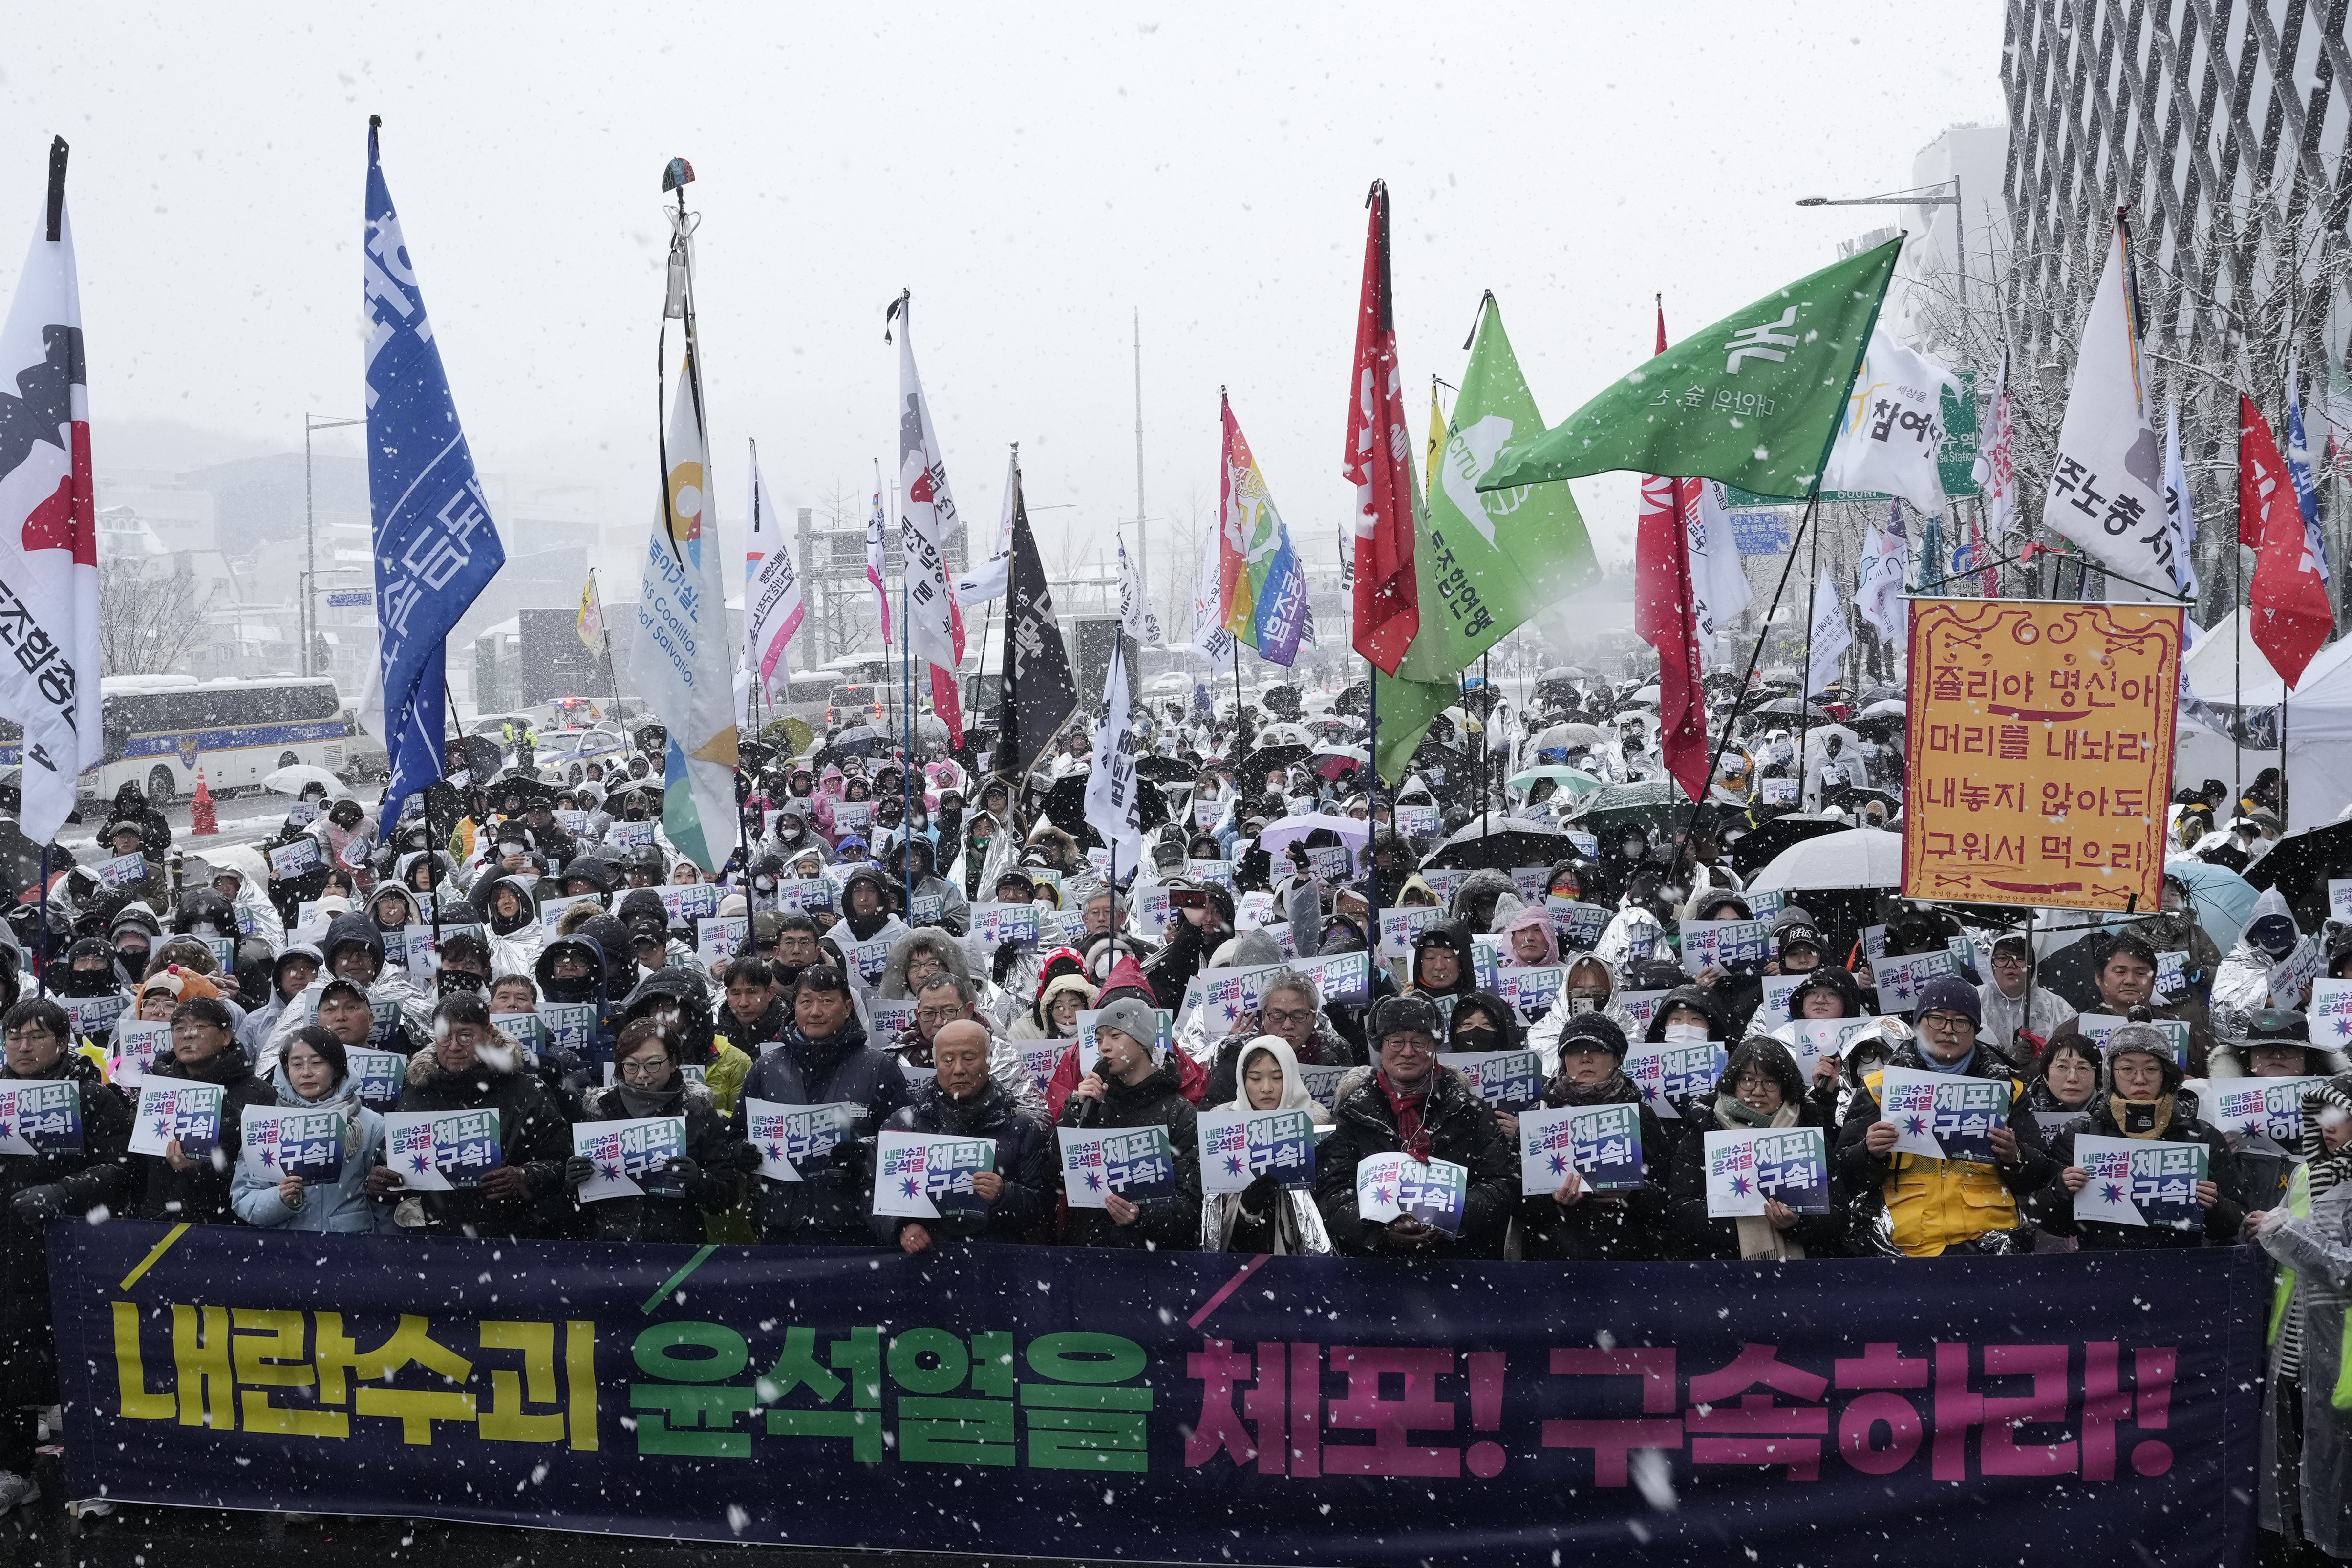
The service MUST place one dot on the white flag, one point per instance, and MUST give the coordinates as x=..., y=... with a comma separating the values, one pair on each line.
x=772, y=594
x=1831, y=638
x=1135, y=613
x=2179, y=512
x=1209, y=634
x=1893, y=426
x=927, y=509
x=48, y=548
x=1996, y=466
x=2106, y=481
x=1113, y=807
x=1718, y=583
x=987, y=580
x=1878, y=587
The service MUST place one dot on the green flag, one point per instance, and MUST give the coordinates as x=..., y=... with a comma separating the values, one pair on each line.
x=1753, y=401
x=1485, y=563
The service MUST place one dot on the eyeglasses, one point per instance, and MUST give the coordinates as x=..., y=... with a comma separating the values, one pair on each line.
x=1945, y=1023
x=27, y=1032
x=2008, y=960
x=643, y=1069
x=937, y=1016
x=1753, y=1083
x=1280, y=1015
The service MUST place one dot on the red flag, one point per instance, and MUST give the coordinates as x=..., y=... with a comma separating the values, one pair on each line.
x=2289, y=604
x=1663, y=617
x=1379, y=461
x=944, y=699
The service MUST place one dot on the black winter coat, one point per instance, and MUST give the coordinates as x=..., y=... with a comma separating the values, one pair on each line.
x=200, y=1193
x=1696, y=1233
x=2055, y=1209
x=534, y=1137
x=99, y=1174
x=1462, y=1129
x=711, y=1144
x=1328, y=1048
x=1613, y=1227
x=831, y=1203
x=1025, y=1158
x=1166, y=1224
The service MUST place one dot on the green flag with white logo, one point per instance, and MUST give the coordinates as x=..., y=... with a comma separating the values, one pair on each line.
x=1485, y=563
x=1753, y=401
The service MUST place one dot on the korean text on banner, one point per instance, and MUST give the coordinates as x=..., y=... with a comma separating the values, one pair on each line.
x=2041, y=751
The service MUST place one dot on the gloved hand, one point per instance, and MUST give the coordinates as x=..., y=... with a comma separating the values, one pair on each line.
x=746, y=1158
x=35, y=1206
x=578, y=1171
x=684, y=1171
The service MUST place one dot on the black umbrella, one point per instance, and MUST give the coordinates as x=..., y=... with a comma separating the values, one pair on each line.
x=478, y=755
x=1501, y=843
x=1265, y=760
x=1166, y=770
x=1608, y=812
x=1789, y=708
x=1065, y=806
x=2299, y=866
x=653, y=740
x=857, y=741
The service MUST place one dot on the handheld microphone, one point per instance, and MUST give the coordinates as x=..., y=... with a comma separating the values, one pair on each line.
x=1090, y=1110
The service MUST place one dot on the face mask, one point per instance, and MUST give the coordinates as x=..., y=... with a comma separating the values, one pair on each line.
x=1686, y=1033
x=1476, y=1040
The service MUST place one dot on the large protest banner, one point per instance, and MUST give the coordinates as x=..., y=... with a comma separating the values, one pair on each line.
x=1202, y=1407
x=2041, y=751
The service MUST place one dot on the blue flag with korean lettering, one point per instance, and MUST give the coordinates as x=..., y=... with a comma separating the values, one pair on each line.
x=435, y=544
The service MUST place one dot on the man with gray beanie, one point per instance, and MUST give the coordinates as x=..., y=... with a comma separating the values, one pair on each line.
x=1131, y=1084
x=1910, y=1206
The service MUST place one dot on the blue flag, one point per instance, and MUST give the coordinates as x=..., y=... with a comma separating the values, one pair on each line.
x=2298, y=469
x=436, y=546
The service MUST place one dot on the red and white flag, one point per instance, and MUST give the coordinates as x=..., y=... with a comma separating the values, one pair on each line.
x=1666, y=617
x=2292, y=616
x=772, y=606
x=48, y=525
x=1379, y=461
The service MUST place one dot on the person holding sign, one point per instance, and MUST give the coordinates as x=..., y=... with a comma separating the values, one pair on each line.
x=56, y=1181
x=2146, y=1103
x=1267, y=1216
x=1573, y=1220
x=1761, y=1087
x=1130, y=1085
x=1290, y=1009
x=314, y=1074
x=964, y=1102
x=707, y=1178
x=1916, y=1206
x=474, y=1066
x=190, y=1184
x=825, y=1060
x=1406, y=1103
x=2125, y=979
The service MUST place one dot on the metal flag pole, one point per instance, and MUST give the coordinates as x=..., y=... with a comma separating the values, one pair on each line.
x=1805, y=684
x=2237, y=676
x=906, y=766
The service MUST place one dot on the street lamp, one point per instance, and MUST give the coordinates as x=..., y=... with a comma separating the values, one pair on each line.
x=1917, y=197
x=312, y=422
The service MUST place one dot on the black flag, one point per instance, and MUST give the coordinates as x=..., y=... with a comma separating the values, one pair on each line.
x=1039, y=695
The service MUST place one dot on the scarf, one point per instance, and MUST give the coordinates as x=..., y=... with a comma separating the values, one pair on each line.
x=2144, y=1119
x=1614, y=1090
x=1950, y=1069
x=1757, y=1238
x=1412, y=1111
x=641, y=1103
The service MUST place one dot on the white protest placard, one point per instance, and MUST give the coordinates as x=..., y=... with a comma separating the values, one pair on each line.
x=1399, y=927
x=996, y=924
x=574, y=822
x=1943, y=1116
x=624, y=1151
x=2270, y=1106
x=301, y=814
x=718, y=938
x=1338, y=976
x=789, y=1136
x=2339, y=899
x=1586, y=843
x=1485, y=957
x=571, y=1026
x=1322, y=1082
x=1137, y=1163
x=1873, y=943
x=1901, y=979
x=926, y=909
x=1779, y=792
x=1507, y=1080
x=869, y=957
x=1206, y=810
x=1444, y=881
x=1602, y=1143
x=1819, y=1037
x=928, y=1175
x=2330, y=1013
x=1149, y=911
x=1774, y=1007
x=1217, y=873
x=1767, y=905
x=290, y=860
x=94, y=1016
x=2137, y=1183
x=1639, y=1006
x=1748, y=1167
x=376, y=1075
x=2300, y=967
x=1041, y=1059
x=40, y=1116
x=1673, y=1076
x=122, y=871
x=281, y=1141
x=1332, y=862
x=441, y=1151
x=1415, y=821
x=686, y=903
x=173, y=1108
x=851, y=817
x=1393, y=1186
x=1533, y=882
x=137, y=1042
x=2096, y=1027
x=1726, y=943
x=1238, y=1147
x=1532, y=993
x=1579, y=924
x=806, y=895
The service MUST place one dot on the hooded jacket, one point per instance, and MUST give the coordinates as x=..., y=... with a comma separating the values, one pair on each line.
x=1475, y=900
x=201, y=1193
x=534, y=1136
x=717, y=1182
x=1460, y=1128
x=342, y=1207
x=724, y=1065
x=1026, y=1158
x=1455, y=937
x=1267, y=1216
x=831, y=1202
x=955, y=911
x=100, y=1174
x=252, y=911
x=1170, y=1224
x=1326, y=1048
x=1512, y=916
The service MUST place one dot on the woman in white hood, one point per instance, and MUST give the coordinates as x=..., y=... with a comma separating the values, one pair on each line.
x=1267, y=1216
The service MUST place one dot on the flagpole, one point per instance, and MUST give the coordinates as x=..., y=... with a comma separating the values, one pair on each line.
x=605, y=634
x=1805, y=686
x=907, y=769
x=2237, y=674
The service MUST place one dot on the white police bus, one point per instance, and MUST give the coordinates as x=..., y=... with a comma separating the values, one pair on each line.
x=162, y=730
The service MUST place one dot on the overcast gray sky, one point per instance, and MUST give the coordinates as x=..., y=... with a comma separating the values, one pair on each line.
x=1031, y=173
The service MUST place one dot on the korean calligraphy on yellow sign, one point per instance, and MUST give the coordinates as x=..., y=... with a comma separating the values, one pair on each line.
x=2041, y=751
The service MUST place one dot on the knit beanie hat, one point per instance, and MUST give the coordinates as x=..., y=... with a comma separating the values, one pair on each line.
x=1599, y=1027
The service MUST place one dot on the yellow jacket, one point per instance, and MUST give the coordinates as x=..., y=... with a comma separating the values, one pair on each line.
x=1934, y=1204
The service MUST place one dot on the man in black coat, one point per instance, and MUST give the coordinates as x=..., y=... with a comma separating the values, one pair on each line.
x=1132, y=1085
x=1408, y=1104
x=474, y=1066
x=964, y=1101
x=180, y=1184
x=825, y=1060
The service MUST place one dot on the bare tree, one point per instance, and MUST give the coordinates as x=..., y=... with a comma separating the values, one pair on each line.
x=150, y=618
